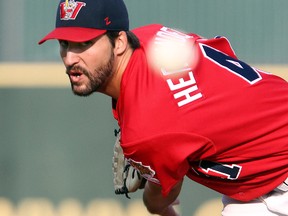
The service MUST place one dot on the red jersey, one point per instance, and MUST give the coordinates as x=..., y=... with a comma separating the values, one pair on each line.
x=221, y=122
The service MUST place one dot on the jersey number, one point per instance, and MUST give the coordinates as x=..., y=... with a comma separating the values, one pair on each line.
x=237, y=67
x=221, y=170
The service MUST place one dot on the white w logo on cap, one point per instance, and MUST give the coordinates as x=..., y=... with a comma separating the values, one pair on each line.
x=70, y=9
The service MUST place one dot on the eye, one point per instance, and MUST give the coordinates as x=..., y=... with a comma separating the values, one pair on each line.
x=63, y=44
x=86, y=43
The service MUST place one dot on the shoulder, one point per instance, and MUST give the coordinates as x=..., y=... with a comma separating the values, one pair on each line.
x=142, y=30
x=146, y=33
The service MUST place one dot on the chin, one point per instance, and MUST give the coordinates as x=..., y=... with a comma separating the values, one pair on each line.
x=82, y=91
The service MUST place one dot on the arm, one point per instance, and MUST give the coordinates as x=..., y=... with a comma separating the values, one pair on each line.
x=156, y=203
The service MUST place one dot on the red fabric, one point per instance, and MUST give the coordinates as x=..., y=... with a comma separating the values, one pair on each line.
x=167, y=155
x=234, y=125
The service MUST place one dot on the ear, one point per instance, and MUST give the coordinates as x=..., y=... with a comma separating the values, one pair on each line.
x=121, y=43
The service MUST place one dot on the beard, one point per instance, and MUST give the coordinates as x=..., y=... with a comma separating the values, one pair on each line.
x=96, y=79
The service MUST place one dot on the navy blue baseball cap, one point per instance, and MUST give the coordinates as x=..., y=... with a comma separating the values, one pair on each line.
x=83, y=20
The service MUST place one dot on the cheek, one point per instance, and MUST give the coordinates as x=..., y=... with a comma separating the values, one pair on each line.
x=99, y=57
x=102, y=49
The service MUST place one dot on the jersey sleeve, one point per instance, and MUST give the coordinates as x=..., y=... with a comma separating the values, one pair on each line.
x=164, y=159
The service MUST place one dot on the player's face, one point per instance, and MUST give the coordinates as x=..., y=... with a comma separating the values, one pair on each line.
x=89, y=65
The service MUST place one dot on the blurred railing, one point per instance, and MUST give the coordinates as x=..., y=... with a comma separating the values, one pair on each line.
x=108, y=207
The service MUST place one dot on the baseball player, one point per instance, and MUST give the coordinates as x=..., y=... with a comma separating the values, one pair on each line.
x=215, y=119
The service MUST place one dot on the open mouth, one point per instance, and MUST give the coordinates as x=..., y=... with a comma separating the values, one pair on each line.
x=75, y=76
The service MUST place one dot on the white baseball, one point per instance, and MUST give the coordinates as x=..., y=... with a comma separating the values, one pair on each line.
x=171, y=55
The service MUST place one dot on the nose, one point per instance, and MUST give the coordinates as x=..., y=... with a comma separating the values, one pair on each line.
x=69, y=57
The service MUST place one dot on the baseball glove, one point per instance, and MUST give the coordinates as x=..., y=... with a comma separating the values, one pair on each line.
x=126, y=178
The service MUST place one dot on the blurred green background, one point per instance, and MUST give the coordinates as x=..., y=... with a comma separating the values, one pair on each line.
x=257, y=29
x=57, y=146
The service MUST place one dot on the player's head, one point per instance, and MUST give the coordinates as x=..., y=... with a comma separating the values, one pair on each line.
x=83, y=20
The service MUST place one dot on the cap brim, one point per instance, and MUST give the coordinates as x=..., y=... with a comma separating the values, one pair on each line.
x=74, y=34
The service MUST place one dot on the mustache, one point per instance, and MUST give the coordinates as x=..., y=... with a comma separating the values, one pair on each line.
x=76, y=69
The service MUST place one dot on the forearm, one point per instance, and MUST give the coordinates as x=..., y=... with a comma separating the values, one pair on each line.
x=156, y=203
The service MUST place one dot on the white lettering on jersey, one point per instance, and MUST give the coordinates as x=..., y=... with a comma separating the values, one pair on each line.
x=182, y=83
x=187, y=91
x=168, y=34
